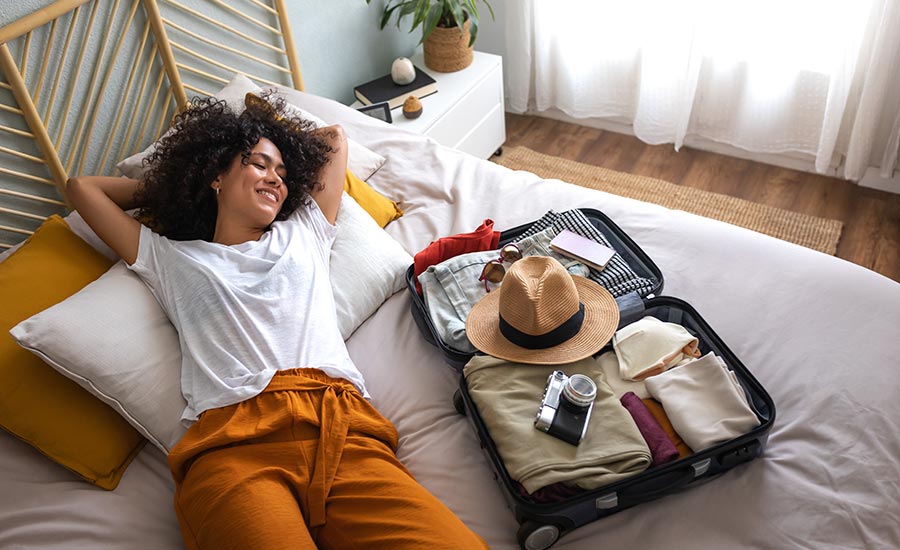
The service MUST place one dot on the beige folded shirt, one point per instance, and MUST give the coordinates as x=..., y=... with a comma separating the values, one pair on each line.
x=704, y=401
x=508, y=396
x=650, y=346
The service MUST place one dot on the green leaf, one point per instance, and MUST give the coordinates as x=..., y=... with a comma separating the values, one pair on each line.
x=490, y=9
x=406, y=9
x=434, y=15
x=387, y=15
x=472, y=11
x=421, y=12
x=458, y=14
x=430, y=13
x=445, y=9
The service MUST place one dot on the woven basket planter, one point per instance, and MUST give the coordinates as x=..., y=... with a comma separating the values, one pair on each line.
x=447, y=49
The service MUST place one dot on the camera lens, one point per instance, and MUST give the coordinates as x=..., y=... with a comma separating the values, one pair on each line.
x=580, y=390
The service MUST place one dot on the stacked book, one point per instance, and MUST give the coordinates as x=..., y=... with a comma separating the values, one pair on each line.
x=383, y=89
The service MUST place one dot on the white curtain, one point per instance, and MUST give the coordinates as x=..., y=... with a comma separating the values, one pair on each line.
x=819, y=78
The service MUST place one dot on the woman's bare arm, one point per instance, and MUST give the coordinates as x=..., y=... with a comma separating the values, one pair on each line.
x=331, y=178
x=102, y=202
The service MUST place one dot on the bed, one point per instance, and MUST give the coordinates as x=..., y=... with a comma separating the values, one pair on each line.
x=821, y=334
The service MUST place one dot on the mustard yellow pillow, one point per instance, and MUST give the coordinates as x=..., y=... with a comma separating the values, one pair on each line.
x=382, y=209
x=37, y=404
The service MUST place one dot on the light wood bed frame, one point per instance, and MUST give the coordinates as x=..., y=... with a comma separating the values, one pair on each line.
x=63, y=112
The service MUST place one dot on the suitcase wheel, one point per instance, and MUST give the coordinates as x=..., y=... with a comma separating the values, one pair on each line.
x=458, y=403
x=536, y=536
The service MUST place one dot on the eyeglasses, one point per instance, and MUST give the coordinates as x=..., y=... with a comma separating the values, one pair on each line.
x=494, y=270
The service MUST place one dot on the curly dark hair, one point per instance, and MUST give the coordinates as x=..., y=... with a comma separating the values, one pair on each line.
x=175, y=194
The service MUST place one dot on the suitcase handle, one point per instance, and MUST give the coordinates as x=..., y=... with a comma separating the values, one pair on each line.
x=663, y=484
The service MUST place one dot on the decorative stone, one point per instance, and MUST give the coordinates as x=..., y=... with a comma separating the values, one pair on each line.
x=412, y=107
x=402, y=71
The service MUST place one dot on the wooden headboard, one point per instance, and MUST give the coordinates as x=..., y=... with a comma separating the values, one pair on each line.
x=86, y=83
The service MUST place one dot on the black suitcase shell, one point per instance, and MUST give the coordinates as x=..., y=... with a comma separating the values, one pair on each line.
x=541, y=524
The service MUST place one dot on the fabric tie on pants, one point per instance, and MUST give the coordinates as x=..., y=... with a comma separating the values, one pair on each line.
x=332, y=435
x=333, y=427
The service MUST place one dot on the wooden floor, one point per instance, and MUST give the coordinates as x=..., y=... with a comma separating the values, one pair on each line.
x=871, y=234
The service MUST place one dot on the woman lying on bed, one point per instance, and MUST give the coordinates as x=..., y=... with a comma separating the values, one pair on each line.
x=284, y=450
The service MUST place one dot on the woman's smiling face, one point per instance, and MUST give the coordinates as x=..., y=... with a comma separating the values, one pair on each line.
x=252, y=190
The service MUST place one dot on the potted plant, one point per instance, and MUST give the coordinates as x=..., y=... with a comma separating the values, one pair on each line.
x=449, y=28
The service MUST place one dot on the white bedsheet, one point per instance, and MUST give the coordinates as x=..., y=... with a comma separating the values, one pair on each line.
x=821, y=334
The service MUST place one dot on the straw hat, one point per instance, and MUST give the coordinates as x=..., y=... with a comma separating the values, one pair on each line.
x=543, y=315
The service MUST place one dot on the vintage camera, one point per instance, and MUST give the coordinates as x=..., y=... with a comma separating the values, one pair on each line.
x=566, y=406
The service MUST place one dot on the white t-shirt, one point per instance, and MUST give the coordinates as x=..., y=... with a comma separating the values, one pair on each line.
x=245, y=311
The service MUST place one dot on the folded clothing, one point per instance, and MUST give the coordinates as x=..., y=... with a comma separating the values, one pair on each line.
x=538, y=244
x=450, y=289
x=704, y=401
x=609, y=364
x=508, y=395
x=650, y=346
x=483, y=238
x=660, y=415
x=661, y=447
x=617, y=277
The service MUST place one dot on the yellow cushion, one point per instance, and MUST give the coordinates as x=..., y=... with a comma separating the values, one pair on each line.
x=37, y=404
x=382, y=209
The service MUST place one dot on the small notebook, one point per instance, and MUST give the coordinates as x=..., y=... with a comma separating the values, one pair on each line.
x=587, y=251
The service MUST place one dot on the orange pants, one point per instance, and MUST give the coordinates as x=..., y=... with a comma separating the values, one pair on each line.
x=307, y=463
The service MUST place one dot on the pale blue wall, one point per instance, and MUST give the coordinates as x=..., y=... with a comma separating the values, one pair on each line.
x=338, y=41
x=340, y=45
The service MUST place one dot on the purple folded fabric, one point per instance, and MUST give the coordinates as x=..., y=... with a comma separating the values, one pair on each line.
x=661, y=448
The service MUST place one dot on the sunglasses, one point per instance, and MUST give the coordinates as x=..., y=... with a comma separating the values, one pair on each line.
x=494, y=270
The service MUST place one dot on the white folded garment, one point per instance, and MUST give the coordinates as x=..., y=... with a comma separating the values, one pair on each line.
x=704, y=402
x=650, y=346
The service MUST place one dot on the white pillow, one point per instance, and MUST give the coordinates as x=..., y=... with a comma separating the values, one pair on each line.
x=114, y=339
x=367, y=266
x=362, y=161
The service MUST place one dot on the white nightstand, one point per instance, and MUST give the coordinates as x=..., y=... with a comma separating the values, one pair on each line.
x=467, y=111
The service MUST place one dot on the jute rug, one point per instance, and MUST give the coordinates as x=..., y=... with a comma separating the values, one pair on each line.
x=810, y=231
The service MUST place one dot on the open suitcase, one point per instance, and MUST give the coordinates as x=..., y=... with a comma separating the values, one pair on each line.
x=541, y=524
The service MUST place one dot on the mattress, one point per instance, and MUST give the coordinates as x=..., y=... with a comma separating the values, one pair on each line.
x=821, y=334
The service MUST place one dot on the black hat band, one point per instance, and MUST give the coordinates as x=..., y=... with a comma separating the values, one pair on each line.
x=557, y=336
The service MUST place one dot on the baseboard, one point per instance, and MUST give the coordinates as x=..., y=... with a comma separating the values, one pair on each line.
x=873, y=180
